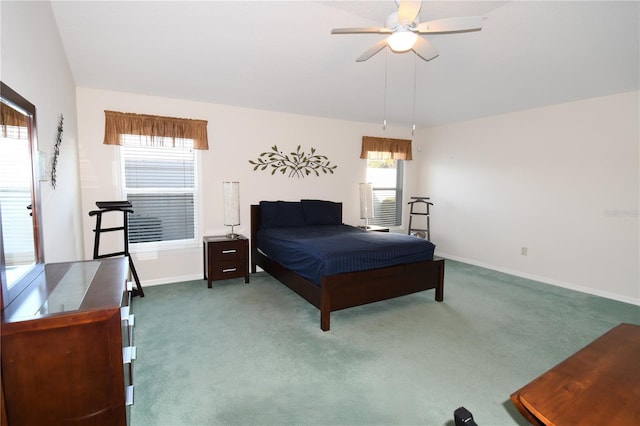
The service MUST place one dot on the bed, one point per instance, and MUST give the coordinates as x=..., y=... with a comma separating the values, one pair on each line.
x=323, y=287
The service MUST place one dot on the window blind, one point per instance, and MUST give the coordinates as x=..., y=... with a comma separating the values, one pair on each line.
x=160, y=182
x=387, y=177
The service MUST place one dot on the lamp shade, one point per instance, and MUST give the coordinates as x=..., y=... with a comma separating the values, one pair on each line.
x=231, y=193
x=366, y=201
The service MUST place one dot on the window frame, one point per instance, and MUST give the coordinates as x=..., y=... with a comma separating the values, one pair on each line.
x=8, y=293
x=399, y=194
x=187, y=245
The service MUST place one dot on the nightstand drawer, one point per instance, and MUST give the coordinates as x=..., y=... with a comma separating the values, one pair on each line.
x=227, y=250
x=225, y=269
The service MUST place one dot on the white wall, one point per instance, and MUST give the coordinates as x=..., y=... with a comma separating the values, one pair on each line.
x=35, y=65
x=562, y=181
x=236, y=135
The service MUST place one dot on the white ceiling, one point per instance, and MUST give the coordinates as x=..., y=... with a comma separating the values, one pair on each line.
x=281, y=56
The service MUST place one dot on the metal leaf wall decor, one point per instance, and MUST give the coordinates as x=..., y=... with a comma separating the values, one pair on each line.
x=298, y=163
x=56, y=153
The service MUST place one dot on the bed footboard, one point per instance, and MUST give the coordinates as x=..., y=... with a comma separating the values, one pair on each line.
x=359, y=288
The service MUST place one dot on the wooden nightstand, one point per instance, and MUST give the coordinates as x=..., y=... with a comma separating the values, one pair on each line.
x=225, y=258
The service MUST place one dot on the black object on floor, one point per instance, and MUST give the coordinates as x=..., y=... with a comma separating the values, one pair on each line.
x=463, y=417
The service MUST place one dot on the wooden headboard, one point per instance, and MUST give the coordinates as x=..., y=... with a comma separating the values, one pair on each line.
x=256, y=221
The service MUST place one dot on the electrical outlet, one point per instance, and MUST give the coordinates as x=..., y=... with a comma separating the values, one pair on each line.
x=524, y=251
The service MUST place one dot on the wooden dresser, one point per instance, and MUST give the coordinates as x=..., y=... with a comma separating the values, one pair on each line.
x=67, y=347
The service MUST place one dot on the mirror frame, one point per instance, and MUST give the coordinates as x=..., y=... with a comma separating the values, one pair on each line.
x=16, y=101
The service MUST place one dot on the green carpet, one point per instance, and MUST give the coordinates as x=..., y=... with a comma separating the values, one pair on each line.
x=254, y=354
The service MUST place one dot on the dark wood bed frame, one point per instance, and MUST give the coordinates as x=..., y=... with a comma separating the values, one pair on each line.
x=351, y=289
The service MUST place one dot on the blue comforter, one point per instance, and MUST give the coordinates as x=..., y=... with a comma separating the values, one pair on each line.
x=316, y=251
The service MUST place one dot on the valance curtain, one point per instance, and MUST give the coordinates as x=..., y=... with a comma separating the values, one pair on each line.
x=154, y=130
x=12, y=122
x=385, y=148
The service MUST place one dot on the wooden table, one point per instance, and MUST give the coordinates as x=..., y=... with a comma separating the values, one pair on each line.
x=599, y=385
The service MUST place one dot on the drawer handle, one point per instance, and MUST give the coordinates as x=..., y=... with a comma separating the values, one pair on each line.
x=124, y=313
x=229, y=251
x=129, y=395
x=128, y=354
x=230, y=270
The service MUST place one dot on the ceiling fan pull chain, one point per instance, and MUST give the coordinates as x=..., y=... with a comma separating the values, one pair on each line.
x=415, y=78
x=384, y=106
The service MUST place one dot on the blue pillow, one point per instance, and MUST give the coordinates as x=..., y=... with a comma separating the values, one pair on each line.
x=281, y=214
x=319, y=212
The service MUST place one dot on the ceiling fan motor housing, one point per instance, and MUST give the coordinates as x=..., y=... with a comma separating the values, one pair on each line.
x=393, y=23
x=403, y=36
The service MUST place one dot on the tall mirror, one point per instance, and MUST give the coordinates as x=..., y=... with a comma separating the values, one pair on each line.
x=21, y=254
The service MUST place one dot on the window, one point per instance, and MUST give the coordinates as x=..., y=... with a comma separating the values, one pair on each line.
x=386, y=175
x=385, y=170
x=159, y=173
x=160, y=182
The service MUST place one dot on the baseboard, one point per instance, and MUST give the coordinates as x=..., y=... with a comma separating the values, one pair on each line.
x=545, y=280
x=172, y=280
x=179, y=279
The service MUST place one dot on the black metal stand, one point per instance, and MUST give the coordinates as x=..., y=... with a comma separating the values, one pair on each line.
x=125, y=208
x=419, y=201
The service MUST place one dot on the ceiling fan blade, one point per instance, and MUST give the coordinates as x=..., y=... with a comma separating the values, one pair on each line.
x=408, y=11
x=363, y=30
x=448, y=25
x=372, y=51
x=424, y=49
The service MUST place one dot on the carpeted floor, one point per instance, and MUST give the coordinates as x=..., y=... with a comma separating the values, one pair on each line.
x=254, y=354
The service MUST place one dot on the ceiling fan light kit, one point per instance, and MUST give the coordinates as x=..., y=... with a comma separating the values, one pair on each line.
x=405, y=28
x=402, y=41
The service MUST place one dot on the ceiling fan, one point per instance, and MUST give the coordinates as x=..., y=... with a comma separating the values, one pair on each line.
x=404, y=29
